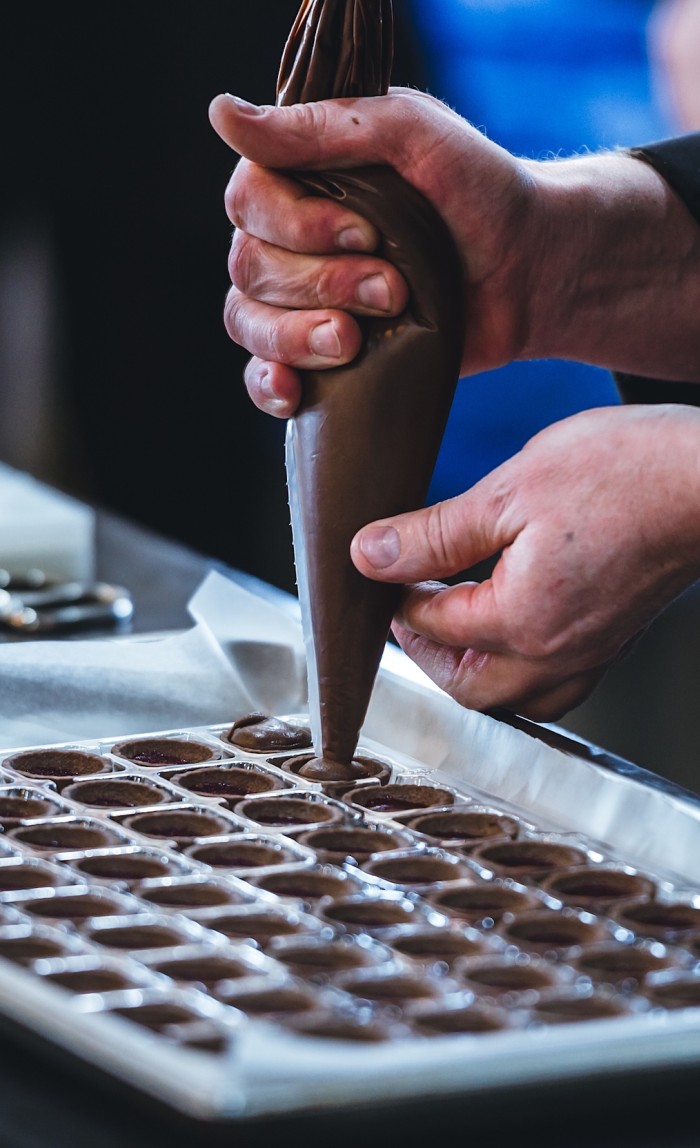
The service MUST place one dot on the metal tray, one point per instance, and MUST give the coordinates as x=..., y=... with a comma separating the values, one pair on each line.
x=217, y=1056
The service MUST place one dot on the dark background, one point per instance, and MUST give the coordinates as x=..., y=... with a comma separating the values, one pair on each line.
x=113, y=225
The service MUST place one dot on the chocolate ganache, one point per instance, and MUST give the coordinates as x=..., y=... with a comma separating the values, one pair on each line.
x=363, y=443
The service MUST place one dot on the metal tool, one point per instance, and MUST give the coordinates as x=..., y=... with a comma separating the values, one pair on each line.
x=32, y=603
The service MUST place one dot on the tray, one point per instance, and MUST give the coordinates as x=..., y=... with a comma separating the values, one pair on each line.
x=239, y=1019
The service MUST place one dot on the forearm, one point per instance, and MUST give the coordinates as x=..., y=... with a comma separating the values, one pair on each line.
x=618, y=280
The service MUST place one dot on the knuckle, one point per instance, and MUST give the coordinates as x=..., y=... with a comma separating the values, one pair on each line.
x=439, y=542
x=240, y=260
x=235, y=196
x=232, y=316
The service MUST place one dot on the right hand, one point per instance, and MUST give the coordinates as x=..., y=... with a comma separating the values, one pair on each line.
x=302, y=266
x=593, y=259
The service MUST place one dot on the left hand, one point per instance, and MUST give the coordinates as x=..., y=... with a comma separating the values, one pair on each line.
x=597, y=521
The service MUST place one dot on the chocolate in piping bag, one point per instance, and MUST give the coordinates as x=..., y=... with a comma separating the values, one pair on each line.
x=365, y=438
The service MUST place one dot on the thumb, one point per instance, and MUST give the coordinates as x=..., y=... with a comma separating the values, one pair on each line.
x=340, y=132
x=434, y=542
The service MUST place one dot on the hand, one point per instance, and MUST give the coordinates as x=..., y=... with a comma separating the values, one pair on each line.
x=598, y=528
x=592, y=259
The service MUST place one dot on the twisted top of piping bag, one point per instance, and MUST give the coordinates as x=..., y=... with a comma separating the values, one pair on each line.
x=337, y=48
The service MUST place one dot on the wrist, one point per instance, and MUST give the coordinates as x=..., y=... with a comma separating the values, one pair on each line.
x=616, y=278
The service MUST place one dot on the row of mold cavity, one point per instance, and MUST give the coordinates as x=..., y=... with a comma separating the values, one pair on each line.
x=286, y=966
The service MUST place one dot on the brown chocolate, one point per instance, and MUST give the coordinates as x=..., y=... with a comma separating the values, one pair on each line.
x=364, y=440
x=157, y=751
x=263, y=734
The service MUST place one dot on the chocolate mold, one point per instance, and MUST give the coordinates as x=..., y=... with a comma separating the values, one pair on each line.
x=26, y=943
x=154, y=751
x=353, y=844
x=58, y=765
x=385, y=801
x=433, y=945
x=67, y=834
x=465, y=825
x=529, y=858
x=626, y=966
x=73, y=904
x=21, y=805
x=189, y=894
x=142, y=931
x=597, y=887
x=374, y=913
x=250, y=854
x=574, y=1006
x=417, y=870
x=228, y=780
x=484, y=903
x=320, y=958
x=126, y=865
x=180, y=824
x=123, y=792
x=308, y=885
x=261, y=923
x=669, y=920
x=19, y=875
x=290, y=813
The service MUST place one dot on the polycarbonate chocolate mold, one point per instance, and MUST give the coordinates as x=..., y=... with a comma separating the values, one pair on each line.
x=160, y=751
x=228, y=780
x=322, y=1025
x=24, y=944
x=280, y=1000
x=387, y=800
x=306, y=811
x=625, y=965
x=463, y=825
x=260, y=923
x=207, y=966
x=185, y=894
x=181, y=824
x=95, y=979
x=483, y=902
x=549, y=931
x=352, y=845
x=65, y=835
x=596, y=887
x=135, y=933
x=502, y=976
x=308, y=884
x=416, y=870
x=18, y=805
x=668, y=921
x=30, y=873
x=246, y=853
x=372, y=914
x=309, y=956
x=57, y=765
x=454, y=1017
x=160, y=1015
x=389, y=986
x=433, y=945
x=126, y=866
x=573, y=1006
x=673, y=990
x=78, y=903
x=529, y=858
x=121, y=792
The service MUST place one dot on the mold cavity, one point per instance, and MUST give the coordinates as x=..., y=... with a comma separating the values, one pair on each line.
x=90, y=980
x=56, y=763
x=164, y=751
x=227, y=781
x=123, y=866
x=302, y=883
x=192, y=896
x=399, y=798
x=283, y=811
x=529, y=857
x=468, y=826
x=137, y=937
x=240, y=855
x=413, y=870
x=179, y=826
x=65, y=835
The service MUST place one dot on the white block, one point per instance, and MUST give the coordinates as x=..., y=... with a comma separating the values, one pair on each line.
x=42, y=527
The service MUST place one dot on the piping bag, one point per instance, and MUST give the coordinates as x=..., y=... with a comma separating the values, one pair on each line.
x=363, y=443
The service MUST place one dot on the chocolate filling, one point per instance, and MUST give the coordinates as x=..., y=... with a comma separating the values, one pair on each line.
x=398, y=798
x=163, y=751
x=225, y=781
x=115, y=794
x=262, y=733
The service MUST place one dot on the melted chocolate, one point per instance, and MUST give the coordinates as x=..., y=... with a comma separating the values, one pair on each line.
x=364, y=441
x=262, y=733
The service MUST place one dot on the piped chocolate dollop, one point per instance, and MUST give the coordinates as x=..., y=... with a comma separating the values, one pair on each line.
x=262, y=733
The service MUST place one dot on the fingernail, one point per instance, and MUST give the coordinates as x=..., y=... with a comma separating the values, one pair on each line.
x=324, y=340
x=380, y=545
x=354, y=239
x=374, y=292
x=245, y=107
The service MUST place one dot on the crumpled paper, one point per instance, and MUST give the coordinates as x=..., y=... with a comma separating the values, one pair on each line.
x=208, y=674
